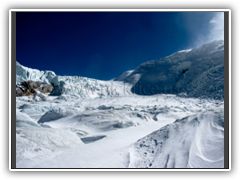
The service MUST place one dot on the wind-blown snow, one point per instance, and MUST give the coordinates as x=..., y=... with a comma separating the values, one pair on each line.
x=187, y=50
x=179, y=73
x=123, y=76
x=88, y=123
x=192, y=142
x=108, y=127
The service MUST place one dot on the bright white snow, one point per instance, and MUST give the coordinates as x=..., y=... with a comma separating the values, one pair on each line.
x=88, y=123
x=109, y=126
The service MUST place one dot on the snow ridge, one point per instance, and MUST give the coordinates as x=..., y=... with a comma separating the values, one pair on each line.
x=179, y=73
x=192, y=142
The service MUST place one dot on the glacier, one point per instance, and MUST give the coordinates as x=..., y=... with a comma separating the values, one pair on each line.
x=89, y=123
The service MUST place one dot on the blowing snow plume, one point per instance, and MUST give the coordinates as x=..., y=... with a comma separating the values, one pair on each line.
x=202, y=27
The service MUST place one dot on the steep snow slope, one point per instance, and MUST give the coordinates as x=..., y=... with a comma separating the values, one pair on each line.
x=195, y=141
x=189, y=71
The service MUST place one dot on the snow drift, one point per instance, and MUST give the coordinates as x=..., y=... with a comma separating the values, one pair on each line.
x=195, y=141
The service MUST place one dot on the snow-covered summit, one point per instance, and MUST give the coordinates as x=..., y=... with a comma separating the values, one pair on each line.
x=183, y=72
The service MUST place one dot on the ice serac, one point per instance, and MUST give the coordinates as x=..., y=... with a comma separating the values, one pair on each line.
x=195, y=141
x=24, y=74
x=75, y=85
x=82, y=87
x=197, y=72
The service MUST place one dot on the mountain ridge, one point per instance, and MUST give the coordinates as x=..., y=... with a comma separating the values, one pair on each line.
x=185, y=71
x=179, y=71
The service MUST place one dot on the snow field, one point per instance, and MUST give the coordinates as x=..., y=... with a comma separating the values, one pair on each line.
x=98, y=132
x=88, y=123
x=195, y=141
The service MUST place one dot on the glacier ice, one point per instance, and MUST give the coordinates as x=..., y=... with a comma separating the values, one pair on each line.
x=89, y=123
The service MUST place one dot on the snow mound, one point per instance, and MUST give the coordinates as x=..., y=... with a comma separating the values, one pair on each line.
x=23, y=120
x=91, y=139
x=105, y=120
x=35, y=141
x=195, y=141
x=55, y=114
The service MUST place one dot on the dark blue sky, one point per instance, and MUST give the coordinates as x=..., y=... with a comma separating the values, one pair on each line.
x=102, y=45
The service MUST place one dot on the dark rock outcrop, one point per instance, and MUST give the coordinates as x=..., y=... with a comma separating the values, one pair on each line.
x=30, y=87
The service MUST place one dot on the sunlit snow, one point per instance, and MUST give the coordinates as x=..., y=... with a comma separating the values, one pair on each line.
x=88, y=123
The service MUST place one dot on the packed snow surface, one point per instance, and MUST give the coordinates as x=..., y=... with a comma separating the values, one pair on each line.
x=105, y=132
x=88, y=123
x=195, y=141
